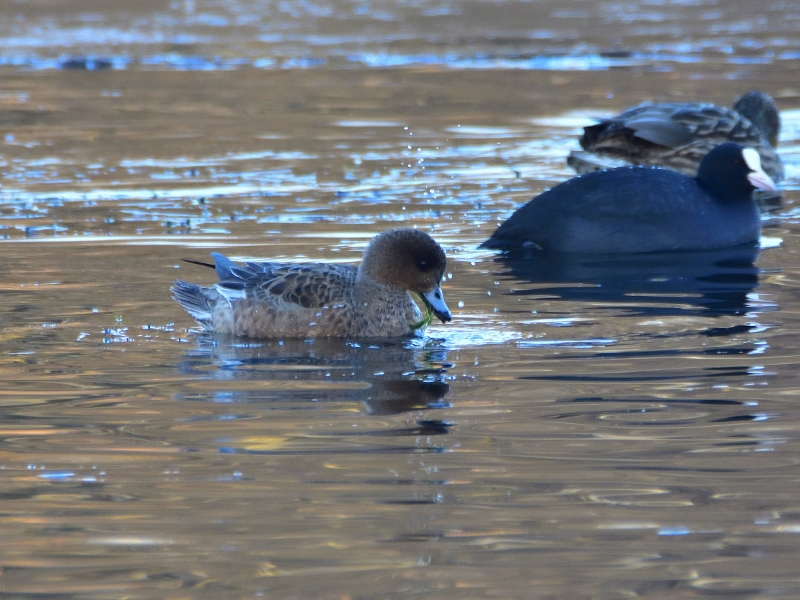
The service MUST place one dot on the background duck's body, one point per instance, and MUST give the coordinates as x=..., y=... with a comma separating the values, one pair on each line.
x=677, y=135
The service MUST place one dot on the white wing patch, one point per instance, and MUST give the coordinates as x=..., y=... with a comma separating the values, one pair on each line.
x=230, y=294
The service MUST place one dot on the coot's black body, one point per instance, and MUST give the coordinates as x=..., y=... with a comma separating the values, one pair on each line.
x=645, y=209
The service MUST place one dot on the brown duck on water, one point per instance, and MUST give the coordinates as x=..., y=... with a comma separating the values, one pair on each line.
x=309, y=300
x=677, y=135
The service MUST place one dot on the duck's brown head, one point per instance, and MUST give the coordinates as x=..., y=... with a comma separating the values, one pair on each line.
x=411, y=260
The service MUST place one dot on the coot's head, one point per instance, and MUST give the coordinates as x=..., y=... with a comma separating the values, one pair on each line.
x=731, y=173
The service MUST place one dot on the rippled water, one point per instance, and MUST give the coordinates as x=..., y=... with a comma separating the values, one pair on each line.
x=582, y=429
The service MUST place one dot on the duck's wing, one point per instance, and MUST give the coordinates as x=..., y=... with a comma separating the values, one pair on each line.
x=709, y=125
x=670, y=125
x=718, y=124
x=676, y=135
x=308, y=285
x=660, y=131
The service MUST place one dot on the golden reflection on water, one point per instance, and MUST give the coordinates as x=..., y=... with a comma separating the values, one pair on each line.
x=593, y=429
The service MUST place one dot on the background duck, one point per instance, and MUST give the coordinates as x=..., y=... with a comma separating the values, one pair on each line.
x=645, y=209
x=677, y=135
x=272, y=300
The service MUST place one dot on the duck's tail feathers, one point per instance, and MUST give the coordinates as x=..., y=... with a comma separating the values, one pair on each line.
x=197, y=262
x=222, y=264
x=195, y=299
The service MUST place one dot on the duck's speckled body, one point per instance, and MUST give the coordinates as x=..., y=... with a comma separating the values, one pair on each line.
x=270, y=300
x=677, y=135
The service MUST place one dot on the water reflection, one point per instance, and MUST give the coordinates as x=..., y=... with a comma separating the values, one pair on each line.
x=133, y=463
x=666, y=283
x=387, y=377
x=194, y=36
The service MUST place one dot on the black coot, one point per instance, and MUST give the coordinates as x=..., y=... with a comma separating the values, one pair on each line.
x=645, y=209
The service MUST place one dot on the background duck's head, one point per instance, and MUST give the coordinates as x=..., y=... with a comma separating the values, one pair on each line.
x=411, y=260
x=760, y=109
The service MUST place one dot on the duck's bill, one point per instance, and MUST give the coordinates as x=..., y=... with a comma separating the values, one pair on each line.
x=435, y=300
x=761, y=181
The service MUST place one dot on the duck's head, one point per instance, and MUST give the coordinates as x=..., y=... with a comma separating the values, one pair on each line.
x=411, y=260
x=760, y=109
x=732, y=172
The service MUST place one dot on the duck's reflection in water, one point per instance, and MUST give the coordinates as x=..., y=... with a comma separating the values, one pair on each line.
x=710, y=283
x=387, y=377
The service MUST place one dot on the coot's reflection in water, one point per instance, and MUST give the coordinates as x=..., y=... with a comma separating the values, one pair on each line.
x=711, y=283
x=387, y=377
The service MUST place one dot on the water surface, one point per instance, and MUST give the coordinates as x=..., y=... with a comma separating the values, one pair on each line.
x=601, y=428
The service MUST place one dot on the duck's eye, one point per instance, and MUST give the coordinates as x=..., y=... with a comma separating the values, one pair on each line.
x=423, y=265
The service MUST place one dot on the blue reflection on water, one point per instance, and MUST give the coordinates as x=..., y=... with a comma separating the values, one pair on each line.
x=589, y=61
x=711, y=282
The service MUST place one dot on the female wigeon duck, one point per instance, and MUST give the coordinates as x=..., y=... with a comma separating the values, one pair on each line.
x=307, y=300
x=677, y=135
